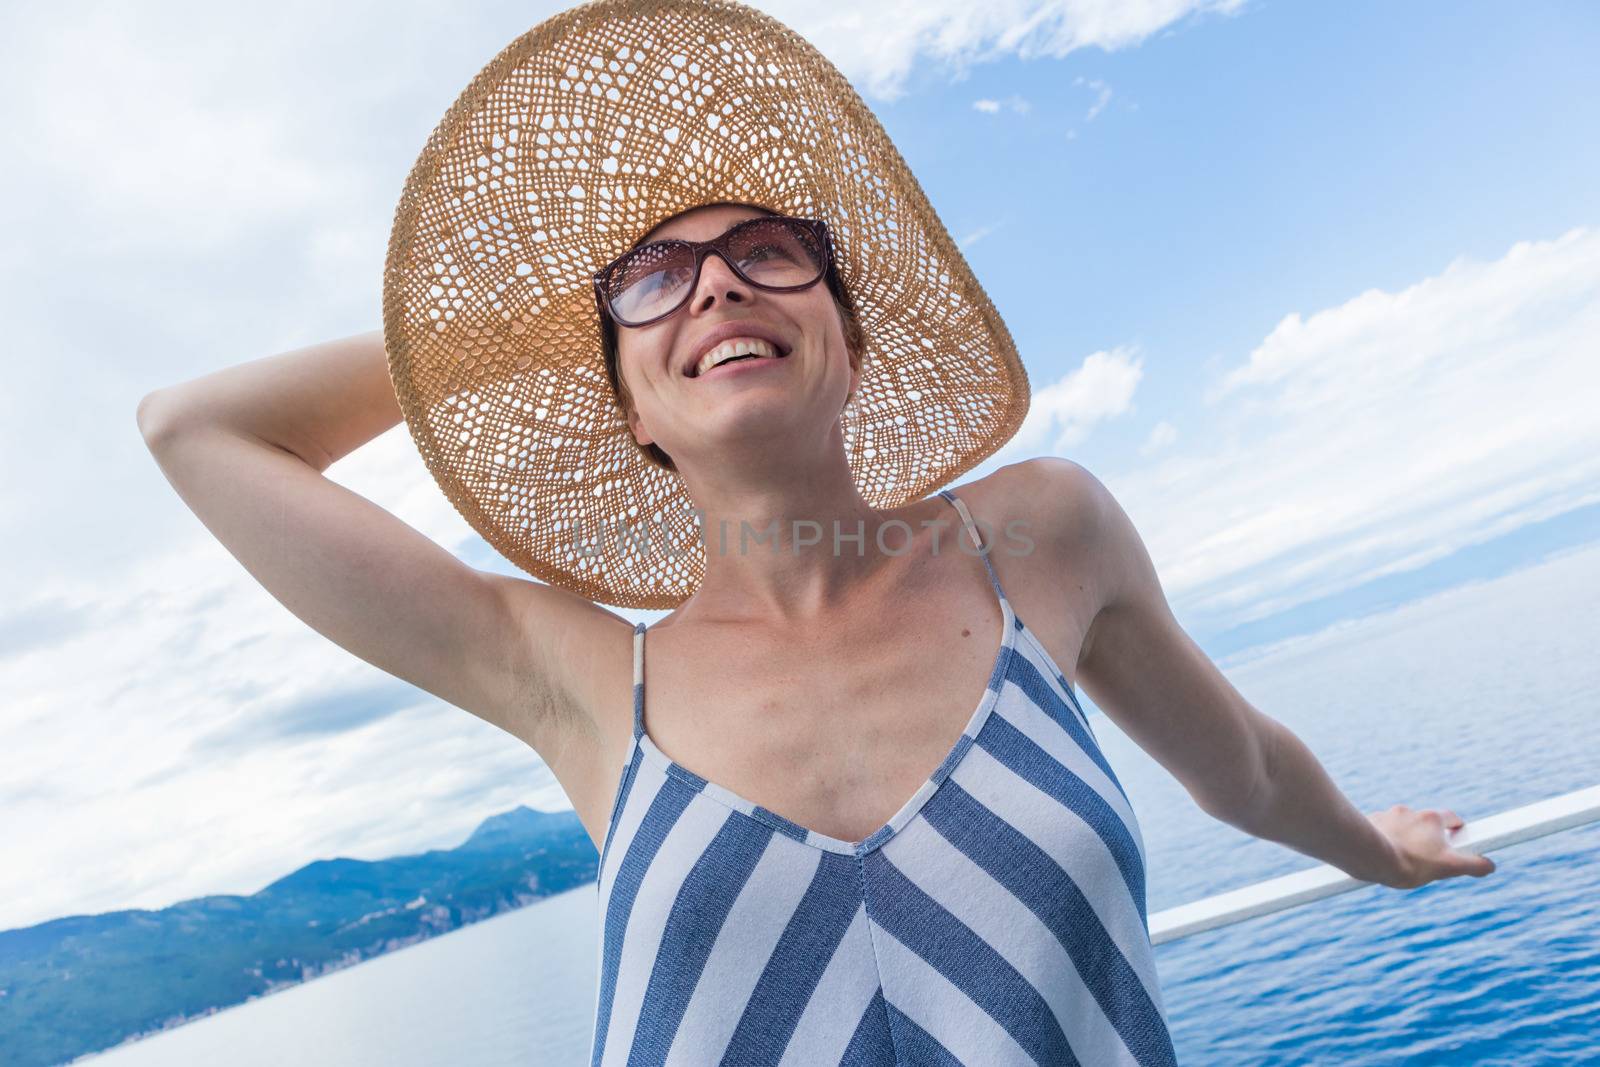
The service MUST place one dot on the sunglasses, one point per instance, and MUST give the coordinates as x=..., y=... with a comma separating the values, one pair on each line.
x=777, y=253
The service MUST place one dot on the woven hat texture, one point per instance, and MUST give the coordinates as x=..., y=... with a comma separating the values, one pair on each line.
x=578, y=138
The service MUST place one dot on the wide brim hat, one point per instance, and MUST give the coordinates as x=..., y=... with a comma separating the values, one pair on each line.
x=577, y=139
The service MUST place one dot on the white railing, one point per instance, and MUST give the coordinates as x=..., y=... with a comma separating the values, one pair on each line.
x=1303, y=887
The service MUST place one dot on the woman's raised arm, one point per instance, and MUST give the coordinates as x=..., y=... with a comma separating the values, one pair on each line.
x=246, y=447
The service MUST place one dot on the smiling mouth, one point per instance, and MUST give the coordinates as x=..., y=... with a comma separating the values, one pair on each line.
x=739, y=359
x=778, y=354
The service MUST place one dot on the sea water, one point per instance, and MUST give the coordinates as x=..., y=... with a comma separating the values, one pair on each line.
x=515, y=989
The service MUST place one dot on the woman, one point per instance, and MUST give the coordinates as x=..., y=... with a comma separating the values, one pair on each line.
x=864, y=819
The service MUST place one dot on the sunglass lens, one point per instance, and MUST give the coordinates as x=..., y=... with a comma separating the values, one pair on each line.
x=776, y=253
x=650, y=282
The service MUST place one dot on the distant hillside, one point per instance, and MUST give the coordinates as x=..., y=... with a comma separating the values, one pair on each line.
x=84, y=983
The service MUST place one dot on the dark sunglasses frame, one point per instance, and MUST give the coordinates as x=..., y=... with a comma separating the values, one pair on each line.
x=700, y=250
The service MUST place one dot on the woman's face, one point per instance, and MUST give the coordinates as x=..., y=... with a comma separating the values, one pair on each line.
x=774, y=405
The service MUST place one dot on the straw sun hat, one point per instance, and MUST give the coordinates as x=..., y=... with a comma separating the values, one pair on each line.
x=577, y=139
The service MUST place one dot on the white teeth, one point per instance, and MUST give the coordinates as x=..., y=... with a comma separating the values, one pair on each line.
x=738, y=346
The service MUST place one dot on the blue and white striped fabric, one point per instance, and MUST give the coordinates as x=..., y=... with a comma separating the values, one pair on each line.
x=998, y=918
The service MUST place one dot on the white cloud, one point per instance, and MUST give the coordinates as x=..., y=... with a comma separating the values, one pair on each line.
x=1383, y=433
x=1162, y=434
x=991, y=107
x=977, y=235
x=877, y=45
x=151, y=141
x=1062, y=413
x=168, y=739
x=1102, y=95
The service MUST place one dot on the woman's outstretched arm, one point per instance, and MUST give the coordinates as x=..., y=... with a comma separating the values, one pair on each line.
x=1240, y=766
x=246, y=448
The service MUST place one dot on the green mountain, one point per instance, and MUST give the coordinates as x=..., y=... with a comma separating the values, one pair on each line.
x=86, y=982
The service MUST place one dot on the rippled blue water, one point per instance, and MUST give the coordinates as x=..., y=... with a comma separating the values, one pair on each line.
x=1481, y=699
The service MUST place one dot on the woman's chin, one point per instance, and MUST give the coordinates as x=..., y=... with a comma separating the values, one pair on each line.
x=745, y=408
x=755, y=430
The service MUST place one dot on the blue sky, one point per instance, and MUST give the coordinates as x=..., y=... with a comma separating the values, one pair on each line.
x=1229, y=171
x=1315, y=290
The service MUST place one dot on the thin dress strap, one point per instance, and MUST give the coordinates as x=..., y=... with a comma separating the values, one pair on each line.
x=977, y=541
x=638, y=679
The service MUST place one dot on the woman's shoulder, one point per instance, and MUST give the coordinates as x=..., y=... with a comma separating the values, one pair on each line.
x=1053, y=498
x=1045, y=518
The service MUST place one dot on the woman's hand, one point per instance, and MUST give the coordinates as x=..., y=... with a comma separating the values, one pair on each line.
x=1421, y=843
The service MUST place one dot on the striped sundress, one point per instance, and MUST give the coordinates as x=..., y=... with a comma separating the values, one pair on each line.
x=997, y=918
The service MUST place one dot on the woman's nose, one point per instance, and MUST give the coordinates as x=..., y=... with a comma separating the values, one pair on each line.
x=718, y=281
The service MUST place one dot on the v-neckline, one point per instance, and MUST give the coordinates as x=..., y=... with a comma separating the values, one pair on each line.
x=907, y=811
